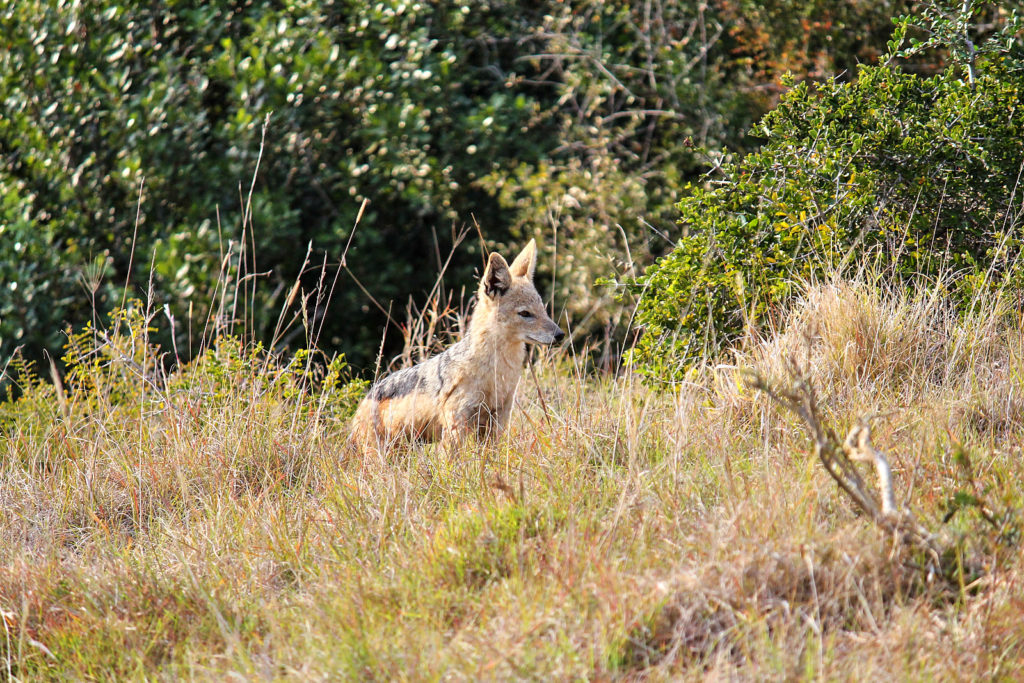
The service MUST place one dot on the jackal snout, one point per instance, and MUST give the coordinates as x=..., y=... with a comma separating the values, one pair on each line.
x=551, y=335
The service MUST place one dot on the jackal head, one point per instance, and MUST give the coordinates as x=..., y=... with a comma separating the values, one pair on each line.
x=509, y=301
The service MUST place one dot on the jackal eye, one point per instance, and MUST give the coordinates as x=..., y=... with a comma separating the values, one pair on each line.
x=525, y=314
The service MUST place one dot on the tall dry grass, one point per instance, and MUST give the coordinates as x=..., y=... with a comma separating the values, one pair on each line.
x=209, y=522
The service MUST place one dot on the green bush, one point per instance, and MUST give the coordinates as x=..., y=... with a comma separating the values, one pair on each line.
x=653, y=96
x=109, y=102
x=574, y=122
x=916, y=173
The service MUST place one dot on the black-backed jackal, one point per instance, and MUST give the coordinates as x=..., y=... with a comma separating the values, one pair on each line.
x=470, y=387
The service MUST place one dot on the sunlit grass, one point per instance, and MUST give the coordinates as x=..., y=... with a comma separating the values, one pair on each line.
x=214, y=521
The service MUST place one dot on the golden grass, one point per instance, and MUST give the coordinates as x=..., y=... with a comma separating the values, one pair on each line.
x=213, y=523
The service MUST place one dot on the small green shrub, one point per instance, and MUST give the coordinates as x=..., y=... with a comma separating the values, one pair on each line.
x=115, y=372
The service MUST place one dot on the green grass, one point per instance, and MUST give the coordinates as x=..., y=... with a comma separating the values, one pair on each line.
x=215, y=522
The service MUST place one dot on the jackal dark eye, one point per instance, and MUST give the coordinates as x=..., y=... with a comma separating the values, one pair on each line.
x=525, y=314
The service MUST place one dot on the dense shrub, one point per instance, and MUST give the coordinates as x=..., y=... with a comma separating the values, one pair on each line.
x=379, y=102
x=916, y=173
x=653, y=95
x=575, y=122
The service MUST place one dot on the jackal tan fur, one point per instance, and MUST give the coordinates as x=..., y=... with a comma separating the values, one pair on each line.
x=470, y=387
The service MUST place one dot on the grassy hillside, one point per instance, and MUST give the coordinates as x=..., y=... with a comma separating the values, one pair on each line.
x=213, y=522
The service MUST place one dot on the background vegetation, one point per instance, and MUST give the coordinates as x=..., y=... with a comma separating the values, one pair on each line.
x=177, y=496
x=913, y=175
x=131, y=135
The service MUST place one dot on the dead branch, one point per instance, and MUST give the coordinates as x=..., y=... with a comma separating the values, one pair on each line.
x=839, y=459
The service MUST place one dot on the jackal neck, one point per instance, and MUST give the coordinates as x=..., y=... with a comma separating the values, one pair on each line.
x=489, y=341
x=491, y=347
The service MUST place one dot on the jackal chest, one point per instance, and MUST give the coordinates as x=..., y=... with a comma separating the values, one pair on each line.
x=493, y=392
x=484, y=392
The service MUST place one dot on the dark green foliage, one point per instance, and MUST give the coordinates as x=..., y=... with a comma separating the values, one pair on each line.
x=566, y=121
x=918, y=174
x=652, y=95
x=102, y=102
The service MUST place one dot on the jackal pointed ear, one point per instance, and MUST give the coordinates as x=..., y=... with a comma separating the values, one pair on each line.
x=497, y=278
x=526, y=263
